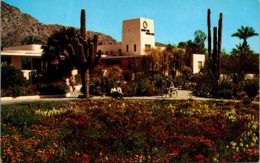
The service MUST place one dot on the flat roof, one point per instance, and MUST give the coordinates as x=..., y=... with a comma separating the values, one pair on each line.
x=119, y=57
x=22, y=54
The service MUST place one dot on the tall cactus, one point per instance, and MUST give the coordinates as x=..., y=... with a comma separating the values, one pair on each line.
x=214, y=58
x=209, y=33
x=219, y=39
x=85, y=52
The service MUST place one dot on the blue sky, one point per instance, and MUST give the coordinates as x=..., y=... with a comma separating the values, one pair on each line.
x=175, y=20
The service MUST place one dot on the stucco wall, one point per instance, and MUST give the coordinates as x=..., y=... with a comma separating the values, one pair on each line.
x=197, y=59
x=112, y=49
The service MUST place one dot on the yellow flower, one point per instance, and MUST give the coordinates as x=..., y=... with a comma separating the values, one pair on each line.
x=215, y=159
x=254, y=126
x=233, y=144
x=254, y=139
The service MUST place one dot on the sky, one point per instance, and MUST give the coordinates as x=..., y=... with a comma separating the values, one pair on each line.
x=174, y=20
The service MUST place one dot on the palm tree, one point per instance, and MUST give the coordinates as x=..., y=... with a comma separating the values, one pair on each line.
x=55, y=51
x=244, y=33
x=241, y=50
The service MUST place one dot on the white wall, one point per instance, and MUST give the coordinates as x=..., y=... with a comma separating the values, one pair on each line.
x=198, y=61
x=110, y=49
x=134, y=33
x=148, y=36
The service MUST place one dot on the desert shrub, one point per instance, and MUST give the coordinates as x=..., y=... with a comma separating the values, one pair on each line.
x=143, y=85
x=103, y=79
x=225, y=89
x=251, y=87
x=127, y=88
x=59, y=87
x=19, y=91
x=11, y=77
x=13, y=83
x=203, y=86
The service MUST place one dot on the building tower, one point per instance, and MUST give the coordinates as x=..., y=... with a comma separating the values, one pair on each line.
x=137, y=35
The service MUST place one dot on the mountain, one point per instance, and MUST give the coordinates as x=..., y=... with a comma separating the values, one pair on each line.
x=18, y=27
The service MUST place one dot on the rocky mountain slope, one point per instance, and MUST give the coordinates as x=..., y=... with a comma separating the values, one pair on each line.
x=17, y=27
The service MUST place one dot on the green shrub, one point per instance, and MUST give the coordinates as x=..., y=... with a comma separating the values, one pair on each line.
x=225, y=89
x=251, y=87
x=19, y=91
x=13, y=83
x=128, y=90
x=16, y=91
x=11, y=77
x=56, y=88
x=203, y=86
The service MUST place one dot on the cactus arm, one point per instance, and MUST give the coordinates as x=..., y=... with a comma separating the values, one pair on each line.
x=91, y=55
x=83, y=24
x=215, y=50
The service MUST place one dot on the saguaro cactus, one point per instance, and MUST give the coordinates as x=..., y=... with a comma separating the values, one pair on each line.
x=209, y=34
x=219, y=39
x=214, y=58
x=86, y=54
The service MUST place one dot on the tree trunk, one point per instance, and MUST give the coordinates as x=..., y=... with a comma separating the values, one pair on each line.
x=87, y=84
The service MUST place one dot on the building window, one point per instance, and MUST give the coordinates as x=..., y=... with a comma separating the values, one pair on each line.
x=199, y=65
x=37, y=64
x=6, y=59
x=126, y=48
x=111, y=52
x=26, y=63
x=119, y=52
x=134, y=47
x=147, y=46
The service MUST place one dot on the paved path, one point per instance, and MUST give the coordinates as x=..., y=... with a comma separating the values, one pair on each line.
x=182, y=95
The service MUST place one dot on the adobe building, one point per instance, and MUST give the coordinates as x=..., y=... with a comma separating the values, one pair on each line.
x=25, y=58
x=198, y=61
x=137, y=35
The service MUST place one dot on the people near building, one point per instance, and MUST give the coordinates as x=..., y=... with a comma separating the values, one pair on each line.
x=67, y=80
x=119, y=89
x=113, y=90
x=172, y=85
x=116, y=91
x=72, y=83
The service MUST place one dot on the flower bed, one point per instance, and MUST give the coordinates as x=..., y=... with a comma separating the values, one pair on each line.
x=130, y=131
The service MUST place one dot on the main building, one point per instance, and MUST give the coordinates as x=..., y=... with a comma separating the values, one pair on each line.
x=137, y=35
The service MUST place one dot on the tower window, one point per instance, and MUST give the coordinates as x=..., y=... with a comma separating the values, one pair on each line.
x=147, y=46
x=126, y=48
x=199, y=64
x=134, y=47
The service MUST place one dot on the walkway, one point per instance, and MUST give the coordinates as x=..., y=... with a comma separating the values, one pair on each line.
x=182, y=95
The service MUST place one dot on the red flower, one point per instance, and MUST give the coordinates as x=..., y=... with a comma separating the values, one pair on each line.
x=117, y=159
